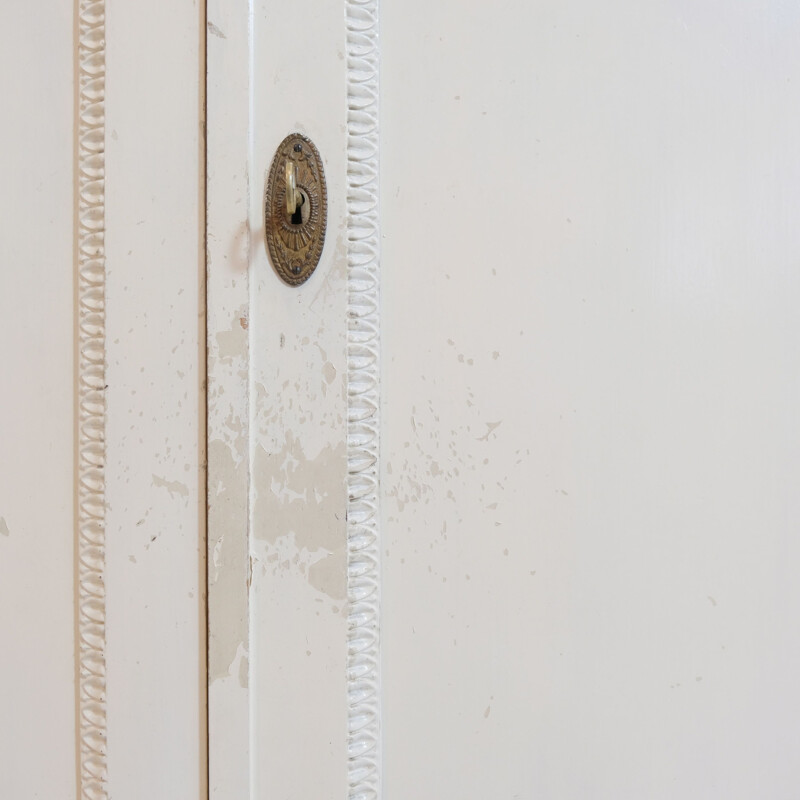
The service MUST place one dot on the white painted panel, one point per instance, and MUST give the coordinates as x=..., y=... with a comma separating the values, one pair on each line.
x=298, y=370
x=590, y=437
x=277, y=415
x=132, y=598
x=155, y=485
x=37, y=423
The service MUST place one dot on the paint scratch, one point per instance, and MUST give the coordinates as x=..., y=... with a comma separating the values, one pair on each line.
x=212, y=28
x=491, y=427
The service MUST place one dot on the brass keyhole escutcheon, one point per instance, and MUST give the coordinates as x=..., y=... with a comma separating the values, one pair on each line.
x=295, y=209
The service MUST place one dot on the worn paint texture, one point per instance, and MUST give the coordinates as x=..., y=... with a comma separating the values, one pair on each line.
x=227, y=559
x=229, y=242
x=298, y=512
x=589, y=418
x=277, y=425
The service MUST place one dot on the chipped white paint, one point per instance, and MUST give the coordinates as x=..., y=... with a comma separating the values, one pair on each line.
x=278, y=413
x=155, y=486
x=101, y=514
x=587, y=519
x=298, y=439
x=589, y=430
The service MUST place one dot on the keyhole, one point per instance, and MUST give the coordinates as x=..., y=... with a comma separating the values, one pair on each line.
x=298, y=217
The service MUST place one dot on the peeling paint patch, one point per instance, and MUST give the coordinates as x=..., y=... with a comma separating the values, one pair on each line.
x=212, y=28
x=329, y=372
x=491, y=427
x=244, y=670
x=302, y=501
x=173, y=487
x=228, y=556
x=4, y=528
x=233, y=343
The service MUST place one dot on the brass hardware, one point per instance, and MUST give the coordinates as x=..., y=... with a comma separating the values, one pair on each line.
x=295, y=209
x=293, y=197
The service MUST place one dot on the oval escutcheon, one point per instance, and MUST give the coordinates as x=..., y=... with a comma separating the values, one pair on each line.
x=295, y=240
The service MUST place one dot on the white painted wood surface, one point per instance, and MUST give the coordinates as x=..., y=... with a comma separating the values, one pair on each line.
x=155, y=485
x=228, y=248
x=298, y=414
x=102, y=634
x=37, y=667
x=277, y=416
x=590, y=284
x=590, y=445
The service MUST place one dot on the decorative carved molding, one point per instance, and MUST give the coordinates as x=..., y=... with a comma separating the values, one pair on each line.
x=91, y=401
x=363, y=661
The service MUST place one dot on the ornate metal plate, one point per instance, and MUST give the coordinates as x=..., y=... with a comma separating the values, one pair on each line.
x=295, y=241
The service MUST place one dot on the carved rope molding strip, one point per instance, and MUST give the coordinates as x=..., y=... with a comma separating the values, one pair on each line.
x=91, y=402
x=363, y=660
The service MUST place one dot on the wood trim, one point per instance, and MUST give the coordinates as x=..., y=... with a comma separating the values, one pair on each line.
x=363, y=356
x=90, y=201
